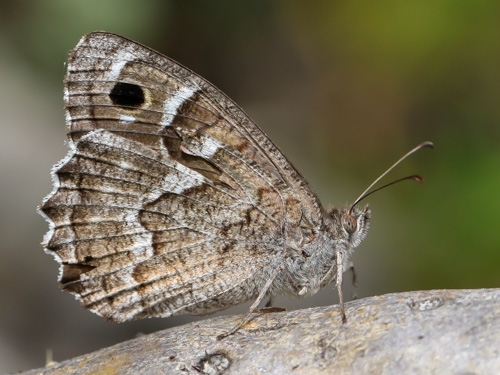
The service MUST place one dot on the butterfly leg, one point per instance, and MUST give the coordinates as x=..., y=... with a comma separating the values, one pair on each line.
x=340, y=261
x=269, y=302
x=254, y=306
x=350, y=265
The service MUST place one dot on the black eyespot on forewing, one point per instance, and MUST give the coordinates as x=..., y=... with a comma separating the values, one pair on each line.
x=127, y=94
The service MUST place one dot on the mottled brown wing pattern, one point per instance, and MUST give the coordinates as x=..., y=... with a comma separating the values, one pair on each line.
x=177, y=105
x=169, y=190
x=135, y=239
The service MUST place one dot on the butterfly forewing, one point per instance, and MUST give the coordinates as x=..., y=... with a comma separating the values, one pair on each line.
x=176, y=102
x=171, y=200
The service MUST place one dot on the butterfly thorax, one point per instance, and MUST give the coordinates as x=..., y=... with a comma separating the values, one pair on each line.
x=315, y=266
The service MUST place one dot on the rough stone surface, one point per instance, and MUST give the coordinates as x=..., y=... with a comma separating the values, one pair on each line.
x=421, y=332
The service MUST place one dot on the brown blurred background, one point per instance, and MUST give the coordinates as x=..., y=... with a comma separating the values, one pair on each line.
x=343, y=88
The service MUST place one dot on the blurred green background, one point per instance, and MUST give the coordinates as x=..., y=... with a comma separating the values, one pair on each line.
x=343, y=88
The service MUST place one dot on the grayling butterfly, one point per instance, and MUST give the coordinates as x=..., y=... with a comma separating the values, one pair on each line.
x=172, y=201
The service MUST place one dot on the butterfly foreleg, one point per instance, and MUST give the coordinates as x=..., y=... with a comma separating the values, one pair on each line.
x=340, y=261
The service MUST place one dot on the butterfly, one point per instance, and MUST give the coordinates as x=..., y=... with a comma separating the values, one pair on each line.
x=173, y=201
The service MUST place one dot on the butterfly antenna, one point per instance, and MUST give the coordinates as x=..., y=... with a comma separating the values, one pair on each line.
x=417, y=178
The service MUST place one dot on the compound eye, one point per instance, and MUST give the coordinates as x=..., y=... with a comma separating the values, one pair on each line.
x=349, y=223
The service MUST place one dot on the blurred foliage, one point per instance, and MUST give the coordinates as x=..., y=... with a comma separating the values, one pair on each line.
x=344, y=88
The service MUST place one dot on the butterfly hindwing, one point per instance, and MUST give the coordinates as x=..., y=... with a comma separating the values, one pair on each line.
x=128, y=247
